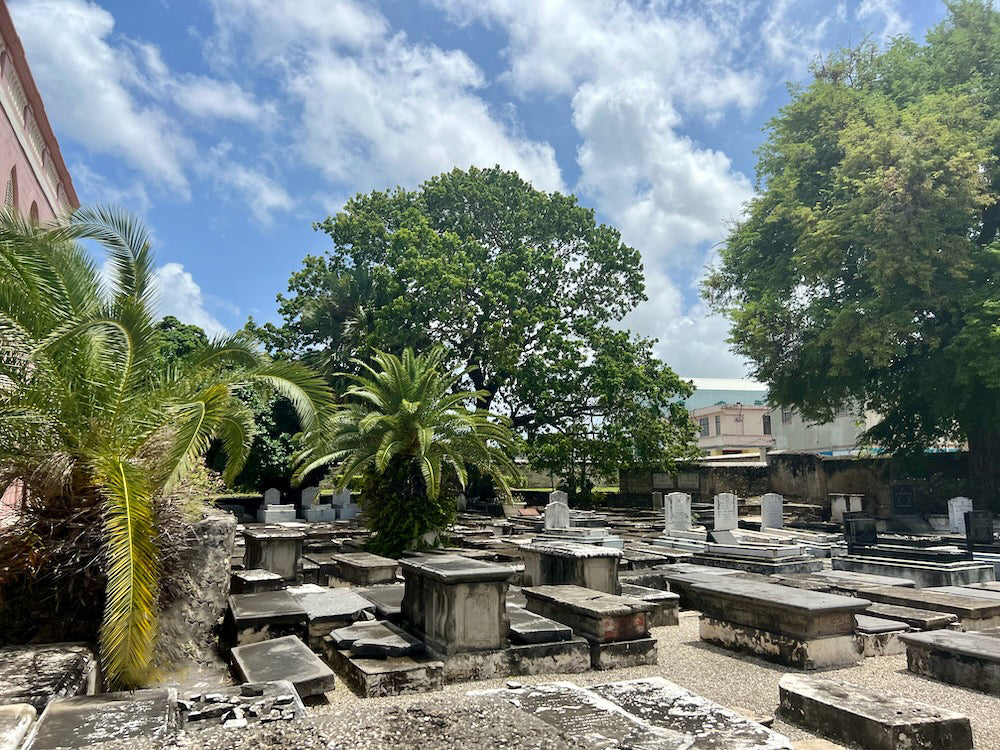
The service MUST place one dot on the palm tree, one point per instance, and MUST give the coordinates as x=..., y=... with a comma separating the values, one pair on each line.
x=96, y=427
x=410, y=436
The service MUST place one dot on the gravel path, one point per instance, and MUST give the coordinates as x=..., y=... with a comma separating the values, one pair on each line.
x=451, y=719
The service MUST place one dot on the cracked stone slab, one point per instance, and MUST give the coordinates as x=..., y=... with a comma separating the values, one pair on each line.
x=376, y=640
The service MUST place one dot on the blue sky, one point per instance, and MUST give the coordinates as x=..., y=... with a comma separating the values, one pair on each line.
x=230, y=126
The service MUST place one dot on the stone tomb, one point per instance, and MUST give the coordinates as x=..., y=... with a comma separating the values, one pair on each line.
x=850, y=713
x=957, y=508
x=557, y=511
x=528, y=627
x=665, y=603
x=802, y=629
x=678, y=533
x=375, y=640
x=252, y=618
x=973, y=613
x=275, y=549
x=928, y=566
x=772, y=511
x=878, y=636
x=616, y=627
x=456, y=604
x=969, y=660
x=649, y=713
x=377, y=659
x=90, y=720
x=978, y=527
x=286, y=658
x=388, y=601
x=347, y=509
x=364, y=568
x=657, y=502
x=841, y=504
x=272, y=511
x=327, y=609
x=254, y=581
x=554, y=563
x=313, y=510
x=38, y=674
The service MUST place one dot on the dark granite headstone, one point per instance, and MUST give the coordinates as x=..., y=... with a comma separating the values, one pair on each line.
x=860, y=532
x=978, y=527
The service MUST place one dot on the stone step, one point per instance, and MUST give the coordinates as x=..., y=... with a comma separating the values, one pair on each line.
x=850, y=713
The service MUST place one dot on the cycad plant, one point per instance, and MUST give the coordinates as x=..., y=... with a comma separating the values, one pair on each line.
x=411, y=436
x=98, y=430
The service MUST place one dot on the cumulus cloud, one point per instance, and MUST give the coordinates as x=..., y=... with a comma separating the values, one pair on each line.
x=220, y=100
x=178, y=294
x=373, y=108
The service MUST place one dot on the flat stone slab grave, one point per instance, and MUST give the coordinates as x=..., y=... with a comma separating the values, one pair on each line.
x=364, y=568
x=617, y=627
x=327, y=609
x=236, y=707
x=973, y=613
x=847, y=581
x=286, y=658
x=252, y=618
x=254, y=581
x=650, y=713
x=799, y=628
x=969, y=660
x=38, y=674
x=376, y=640
x=879, y=637
x=388, y=600
x=379, y=677
x=529, y=627
x=850, y=713
x=88, y=720
x=665, y=603
x=923, y=573
x=918, y=619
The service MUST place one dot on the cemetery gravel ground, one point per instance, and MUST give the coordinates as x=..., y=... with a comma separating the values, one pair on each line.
x=450, y=719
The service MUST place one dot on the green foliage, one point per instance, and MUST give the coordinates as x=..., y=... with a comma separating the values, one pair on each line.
x=99, y=429
x=411, y=438
x=522, y=287
x=179, y=340
x=867, y=270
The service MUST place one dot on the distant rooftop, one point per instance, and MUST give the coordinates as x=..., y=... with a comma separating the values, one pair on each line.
x=709, y=391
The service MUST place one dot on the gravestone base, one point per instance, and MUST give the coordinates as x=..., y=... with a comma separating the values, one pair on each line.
x=850, y=713
x=275, y=513
x=923, y=573
x=377, y=678
x=622, y=654
x=880, y=644
x=560, y=657
x=800, y=653
x=319, y=513
x=969, y=660
x=759, y=565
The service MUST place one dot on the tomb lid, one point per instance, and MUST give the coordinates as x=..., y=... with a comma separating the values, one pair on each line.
x=783, y=596
x=273, y=532
x=265, y=605
x=588, y=602
x=571, y=550
x=455, y=569
x=256, y=575
x=363, y=560
x=336, y=604
x=974, y=645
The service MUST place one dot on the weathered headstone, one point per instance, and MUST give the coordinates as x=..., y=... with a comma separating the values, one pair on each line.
x=657, y=501
x=310, y=497
x=678, y=511
x=272, y=497
x=860, y=532
x=726, y=511
x=341, y=498
x=978, y=527
x=957, y=508
x=838, y=506
x=557, y=511
x=772, y=511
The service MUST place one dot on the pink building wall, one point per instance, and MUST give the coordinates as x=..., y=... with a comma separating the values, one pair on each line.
x=33, y=176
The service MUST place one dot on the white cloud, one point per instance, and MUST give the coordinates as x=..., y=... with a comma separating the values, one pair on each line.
x=893, y=23
x=178, y=294
x=374, y=109
x=88, y=84
x=221, y=100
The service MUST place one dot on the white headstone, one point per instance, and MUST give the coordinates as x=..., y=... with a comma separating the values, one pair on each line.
x=726, y=511
x=957, y=508
x=557, y=511
x=772, y=511
x=855, y=503
x=310, y=497
x=272, y=497
x=657, y=501
x=838, y=506
x=461, y=503
x=678, y=511
x=341, y=498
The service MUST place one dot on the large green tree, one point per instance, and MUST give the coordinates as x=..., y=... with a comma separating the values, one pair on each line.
x=867, y=270
x=99, y=429
x=521, y=288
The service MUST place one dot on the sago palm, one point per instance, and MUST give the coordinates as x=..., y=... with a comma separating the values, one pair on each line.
x=97, y=430
x=405, y=430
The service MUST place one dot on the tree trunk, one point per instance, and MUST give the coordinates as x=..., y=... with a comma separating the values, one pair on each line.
x=984, y=464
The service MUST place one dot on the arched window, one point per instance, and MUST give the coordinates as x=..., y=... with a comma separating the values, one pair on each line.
x=10, y=196
x=33, y=213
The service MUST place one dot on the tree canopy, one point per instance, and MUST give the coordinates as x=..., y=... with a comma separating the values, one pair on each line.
x=868, y=266
x=522, y=289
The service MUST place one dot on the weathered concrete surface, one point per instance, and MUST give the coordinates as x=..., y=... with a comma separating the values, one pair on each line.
x=364, y=568
x=623, y=654
x=970, y=660
x=16, y=719
x=327, y=609
x=592, y=614
x=850, y=713
x=274, y=549
x=37, y=675
x=89, y=720
x=789, y=611
x=556, y=657
x=255, y=581
x=920, y=619
x=252, y=618
x=286, y=658
x=388, y=600
x=665, y=603
x=376, y=640
x=923, y=573
x=556, y=563
x=973, y=613
x=765, y=567
x=528, y=627
x=800, y=653
x=376, y=678
x=651, y=713
x=456, y=604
